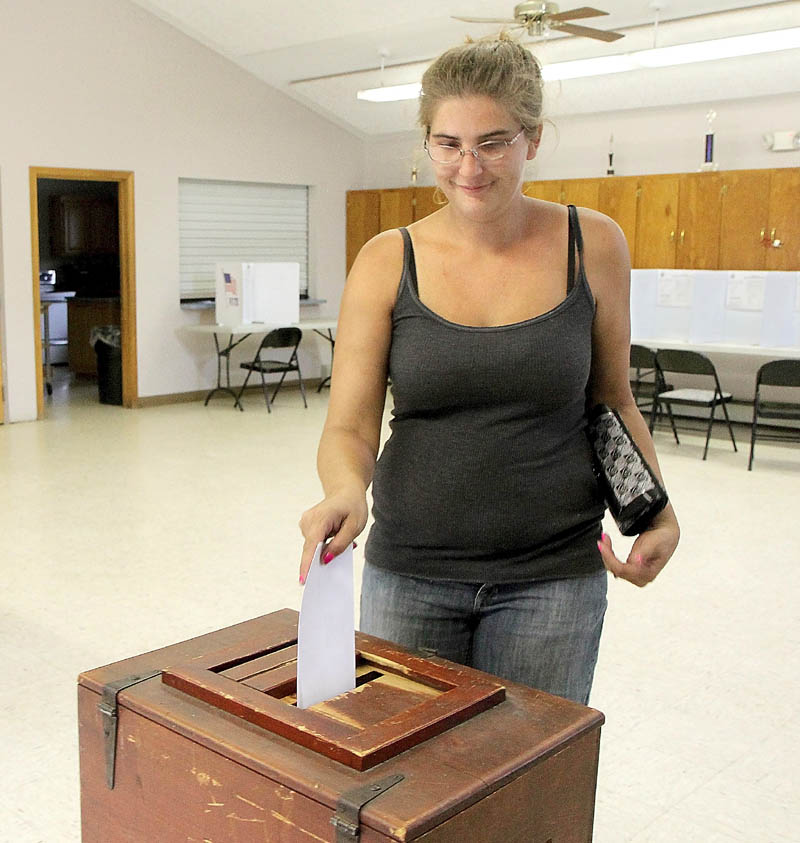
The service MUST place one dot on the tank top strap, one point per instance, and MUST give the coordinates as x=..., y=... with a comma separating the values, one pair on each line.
x=409, y=262
x=575, y=242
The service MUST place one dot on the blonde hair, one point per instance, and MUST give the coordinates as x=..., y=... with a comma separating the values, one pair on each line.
x=496, y=67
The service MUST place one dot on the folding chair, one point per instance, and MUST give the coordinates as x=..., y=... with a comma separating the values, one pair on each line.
x=695, y=364
x=280, y=338
x=647, y=380
x=778, y=374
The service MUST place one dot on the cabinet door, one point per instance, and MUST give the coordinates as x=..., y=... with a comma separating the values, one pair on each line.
x=549, y=191
x=784, y=219
x=699, y=214
x=363, y=220
x=618, y=198
x=743, y=224
x=656, y=222
x=585, y=193
x=424, y=203
x=397, y=207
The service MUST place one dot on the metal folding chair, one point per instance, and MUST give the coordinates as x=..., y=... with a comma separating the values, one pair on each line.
x=782, y=375
x=693, y=363
x=281, y=338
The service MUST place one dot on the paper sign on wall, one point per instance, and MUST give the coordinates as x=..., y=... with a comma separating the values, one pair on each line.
x=675, y=288
x=746, y=290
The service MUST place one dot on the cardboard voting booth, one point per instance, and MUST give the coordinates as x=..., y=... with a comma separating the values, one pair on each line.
x=267, y=293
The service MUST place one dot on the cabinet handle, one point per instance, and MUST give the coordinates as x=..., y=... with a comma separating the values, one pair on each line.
x=672, y=236
x=776, y=244
x=683, y=234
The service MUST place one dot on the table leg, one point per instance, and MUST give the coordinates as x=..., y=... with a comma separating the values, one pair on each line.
x=329, y=337
x=226, y=353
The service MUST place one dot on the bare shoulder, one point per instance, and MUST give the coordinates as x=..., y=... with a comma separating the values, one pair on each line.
x=376, y=271
x=606, y=256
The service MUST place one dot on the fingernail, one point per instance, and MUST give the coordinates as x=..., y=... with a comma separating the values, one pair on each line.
x=354, y=545
x=638, y=557
x=604, y=536
x=600, y=546
x=327, y=558
x=302, y=580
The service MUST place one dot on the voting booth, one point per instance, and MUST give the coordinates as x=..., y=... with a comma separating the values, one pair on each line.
x=267, y=293
x=202, y=740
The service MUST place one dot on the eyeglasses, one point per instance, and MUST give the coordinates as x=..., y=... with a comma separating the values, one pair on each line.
x=447, y=152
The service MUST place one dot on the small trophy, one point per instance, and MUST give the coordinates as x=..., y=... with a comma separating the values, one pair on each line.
x=708, y=163
x=610, y=170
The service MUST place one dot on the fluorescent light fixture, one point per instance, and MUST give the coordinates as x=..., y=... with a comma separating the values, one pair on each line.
x=599, y=66
x=698, y=51
x=720, y=48
x=391, y=93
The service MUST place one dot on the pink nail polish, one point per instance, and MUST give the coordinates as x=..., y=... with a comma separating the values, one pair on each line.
x=604, y=536
x=302, y=580
x=354, y=545
x=327, y=558
x=600, y=546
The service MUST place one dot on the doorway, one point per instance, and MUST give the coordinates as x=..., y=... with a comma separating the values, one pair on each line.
x=89, y=220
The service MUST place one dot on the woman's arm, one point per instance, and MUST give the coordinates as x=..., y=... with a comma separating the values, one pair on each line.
x=350, y=439
x=608, y=270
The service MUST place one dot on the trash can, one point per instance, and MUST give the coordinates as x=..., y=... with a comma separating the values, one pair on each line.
x=107, y=343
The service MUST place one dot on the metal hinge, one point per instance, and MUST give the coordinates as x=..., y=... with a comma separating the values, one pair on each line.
x=348, y=808
x=108, y=710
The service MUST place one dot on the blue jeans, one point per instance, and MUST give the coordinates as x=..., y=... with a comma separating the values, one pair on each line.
x=542, y=634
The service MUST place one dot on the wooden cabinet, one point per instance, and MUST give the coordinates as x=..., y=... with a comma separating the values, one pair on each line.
x=618, y=198
x=548, y=191
x=82, y=316
x=84, y=225
x=736, y=219
x=656, y=222
x=783, y=221
x=363, y=220
x=699, y=216
x=743, y=223
x=371, y=211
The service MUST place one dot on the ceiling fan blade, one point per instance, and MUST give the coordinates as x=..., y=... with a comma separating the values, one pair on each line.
x=574, y=14
x=587, y=31
x=485, y=20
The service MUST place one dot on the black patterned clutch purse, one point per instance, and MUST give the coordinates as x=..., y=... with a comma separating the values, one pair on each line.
x=632, y=492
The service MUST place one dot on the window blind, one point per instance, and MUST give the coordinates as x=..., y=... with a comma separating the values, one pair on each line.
x=238, y=221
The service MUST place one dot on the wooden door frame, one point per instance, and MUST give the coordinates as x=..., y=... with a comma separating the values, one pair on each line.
x=127, y=272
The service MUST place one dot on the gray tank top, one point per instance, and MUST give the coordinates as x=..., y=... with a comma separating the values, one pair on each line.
x=487, y=474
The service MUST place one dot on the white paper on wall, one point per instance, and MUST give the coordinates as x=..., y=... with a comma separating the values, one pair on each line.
x=643, y=302
x=708, y=312
x=675, y=288
x=746, y=290
x=780, y=317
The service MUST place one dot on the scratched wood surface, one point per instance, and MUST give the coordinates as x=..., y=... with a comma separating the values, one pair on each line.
x=175, y=751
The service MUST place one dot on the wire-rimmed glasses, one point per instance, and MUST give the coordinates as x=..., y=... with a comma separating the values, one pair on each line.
x=448, y=152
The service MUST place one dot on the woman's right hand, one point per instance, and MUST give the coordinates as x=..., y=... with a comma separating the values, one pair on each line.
x=339, y=517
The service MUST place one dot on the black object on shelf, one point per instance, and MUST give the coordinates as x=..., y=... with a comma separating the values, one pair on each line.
x=106, y=341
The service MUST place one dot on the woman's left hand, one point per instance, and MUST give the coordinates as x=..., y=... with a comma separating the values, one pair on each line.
x=650, y=553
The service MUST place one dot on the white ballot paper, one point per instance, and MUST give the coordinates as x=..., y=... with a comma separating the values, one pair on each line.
x=326, y=648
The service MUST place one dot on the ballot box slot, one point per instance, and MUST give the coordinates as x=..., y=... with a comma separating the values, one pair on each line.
x=399, y=700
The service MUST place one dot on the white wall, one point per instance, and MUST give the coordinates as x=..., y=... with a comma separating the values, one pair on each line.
x=101, y=84
x=667, y=139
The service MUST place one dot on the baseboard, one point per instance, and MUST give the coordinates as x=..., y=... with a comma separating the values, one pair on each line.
x=200, y=395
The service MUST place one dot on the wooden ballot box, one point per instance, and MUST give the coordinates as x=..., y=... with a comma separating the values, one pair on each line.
x=202, y=742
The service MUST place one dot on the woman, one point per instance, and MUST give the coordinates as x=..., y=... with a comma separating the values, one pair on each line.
x=497, y=318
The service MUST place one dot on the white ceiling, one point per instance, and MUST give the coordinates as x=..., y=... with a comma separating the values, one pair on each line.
x=286, y=42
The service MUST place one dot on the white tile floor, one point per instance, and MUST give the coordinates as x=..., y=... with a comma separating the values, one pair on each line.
x=129, y=530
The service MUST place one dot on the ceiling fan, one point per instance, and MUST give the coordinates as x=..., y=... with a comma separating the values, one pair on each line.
x=539, y=18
